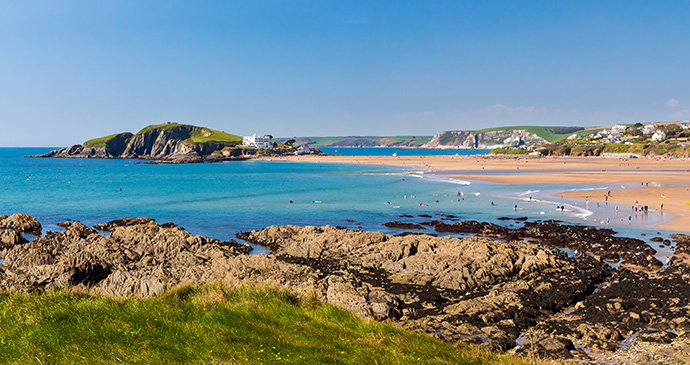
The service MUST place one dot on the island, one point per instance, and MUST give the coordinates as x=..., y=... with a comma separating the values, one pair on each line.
x=179, y=143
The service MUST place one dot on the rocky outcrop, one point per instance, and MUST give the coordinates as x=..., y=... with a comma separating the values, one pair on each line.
x=486, y=292
x=401, y=225
x=601, y=242
x=110, y=226
x=483, y=140
x=22, y=223
x=632, y=309
x=472, y=289
x=10, y=237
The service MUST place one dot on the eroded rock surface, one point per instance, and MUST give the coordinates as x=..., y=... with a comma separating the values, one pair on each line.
x=22, y=223
x=471, y=289
x=477, y=290
x=631, y=252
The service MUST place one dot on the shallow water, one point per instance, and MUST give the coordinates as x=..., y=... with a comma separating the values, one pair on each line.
x=222, y=199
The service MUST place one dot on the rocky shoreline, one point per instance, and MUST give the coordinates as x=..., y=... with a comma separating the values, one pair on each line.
x=492, y=293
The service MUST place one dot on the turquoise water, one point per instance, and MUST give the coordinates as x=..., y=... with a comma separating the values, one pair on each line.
x=221, y=199
x=388, y=151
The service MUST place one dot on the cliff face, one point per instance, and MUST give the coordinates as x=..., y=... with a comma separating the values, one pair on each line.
x=159, y=143
x=168, y=142
x=483, y=140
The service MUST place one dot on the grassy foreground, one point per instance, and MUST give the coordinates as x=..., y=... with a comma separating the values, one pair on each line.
x=212, y=325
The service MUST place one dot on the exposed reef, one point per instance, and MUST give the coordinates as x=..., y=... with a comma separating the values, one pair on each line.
x=487, y=292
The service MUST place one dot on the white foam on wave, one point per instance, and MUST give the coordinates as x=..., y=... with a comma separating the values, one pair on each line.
x=417, y=174
x=587, y=189
x=577, y=211
x=449, y=180
x=529, y=192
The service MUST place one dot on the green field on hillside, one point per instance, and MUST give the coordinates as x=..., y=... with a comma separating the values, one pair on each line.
x=210, y=325
x=216, y=136
x=544, y=132
x=100, y=142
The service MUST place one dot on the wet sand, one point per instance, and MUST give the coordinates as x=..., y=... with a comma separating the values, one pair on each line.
x=645, y=179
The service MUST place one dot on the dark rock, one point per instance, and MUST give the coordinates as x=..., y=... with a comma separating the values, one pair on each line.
x=401, y=225
x=587, y=239
x=110, y=226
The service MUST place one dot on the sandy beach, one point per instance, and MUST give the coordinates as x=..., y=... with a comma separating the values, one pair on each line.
x=642, y=180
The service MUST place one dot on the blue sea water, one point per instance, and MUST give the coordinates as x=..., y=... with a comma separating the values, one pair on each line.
x=389, y=151
x=222, y=199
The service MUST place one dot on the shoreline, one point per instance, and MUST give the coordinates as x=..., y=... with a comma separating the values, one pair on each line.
x=644, y=180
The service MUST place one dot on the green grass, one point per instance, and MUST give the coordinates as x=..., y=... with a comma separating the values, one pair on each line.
x=210, y=325
x=509, y=151
x=163, y=126
x=100, y=142
x=543, y=132
x=198, y=136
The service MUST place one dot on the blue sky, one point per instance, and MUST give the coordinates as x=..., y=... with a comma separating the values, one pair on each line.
x=73, y=70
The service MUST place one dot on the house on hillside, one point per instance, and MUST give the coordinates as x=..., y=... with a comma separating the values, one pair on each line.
x=257, y=141
x=618, y=129
x=649, y=128
x=685, y=125
x=659, y=135
x=303, y=150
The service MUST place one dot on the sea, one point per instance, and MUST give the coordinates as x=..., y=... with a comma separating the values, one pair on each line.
x=221, y=199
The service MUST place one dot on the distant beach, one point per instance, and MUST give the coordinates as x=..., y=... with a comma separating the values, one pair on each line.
x=641, y=180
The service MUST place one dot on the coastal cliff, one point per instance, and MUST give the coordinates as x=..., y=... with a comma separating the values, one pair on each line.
x=170, y=142
x=484, y=140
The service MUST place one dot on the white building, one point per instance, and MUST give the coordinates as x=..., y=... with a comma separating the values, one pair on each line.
x=684, y=125
x=648, y=128
x=618, y=129
x=659, y=135
x=303, y=150
x=257, y=141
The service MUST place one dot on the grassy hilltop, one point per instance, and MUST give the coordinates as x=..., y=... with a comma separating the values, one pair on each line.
x=211, y=325
x=197, y=135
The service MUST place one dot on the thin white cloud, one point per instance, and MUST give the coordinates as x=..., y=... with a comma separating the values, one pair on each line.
x=681, y=114
x=515, y=110
x=672, y=102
